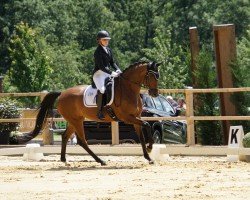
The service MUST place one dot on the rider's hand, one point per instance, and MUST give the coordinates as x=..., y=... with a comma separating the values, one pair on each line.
x=118, y=71
x=114, y=74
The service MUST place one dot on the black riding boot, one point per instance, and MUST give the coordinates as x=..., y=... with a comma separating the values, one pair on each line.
x=99, y=105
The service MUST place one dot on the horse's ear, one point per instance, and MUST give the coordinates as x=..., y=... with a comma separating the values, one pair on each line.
x=151, y=64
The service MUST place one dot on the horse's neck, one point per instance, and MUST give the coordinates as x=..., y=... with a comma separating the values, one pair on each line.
x=135, y=76
x=124, y=84
x=132, y=83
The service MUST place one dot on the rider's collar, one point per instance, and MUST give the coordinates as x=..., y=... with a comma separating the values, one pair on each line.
x=105, y=48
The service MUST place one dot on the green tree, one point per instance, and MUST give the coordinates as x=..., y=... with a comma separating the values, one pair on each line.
x=30, y=64
x=241, y=70
x=208, y=132
x=234, y=12
x=173, y=68
x=69, y=27
x=66, y=62
x=241, y=78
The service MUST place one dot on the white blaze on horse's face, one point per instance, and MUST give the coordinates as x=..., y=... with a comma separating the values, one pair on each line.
x=152, y=78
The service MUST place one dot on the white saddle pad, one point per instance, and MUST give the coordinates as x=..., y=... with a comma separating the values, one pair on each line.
x=89, y=96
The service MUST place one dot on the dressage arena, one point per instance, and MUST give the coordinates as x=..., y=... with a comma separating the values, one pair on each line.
x=124, y=177
x=129, y=177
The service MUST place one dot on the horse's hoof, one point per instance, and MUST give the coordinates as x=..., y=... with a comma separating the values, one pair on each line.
x=151, y=162
x=149, y=150
x=63, y=159
x=103, y=163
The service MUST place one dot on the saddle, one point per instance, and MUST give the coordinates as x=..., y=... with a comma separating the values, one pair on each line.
x=90, y=94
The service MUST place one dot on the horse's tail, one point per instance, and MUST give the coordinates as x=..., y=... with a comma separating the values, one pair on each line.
x=45, y=109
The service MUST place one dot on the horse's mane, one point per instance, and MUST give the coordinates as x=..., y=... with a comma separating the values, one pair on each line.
x=134, y=65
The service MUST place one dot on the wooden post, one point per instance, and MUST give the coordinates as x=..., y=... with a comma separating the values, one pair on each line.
x=27, y=125
x=1, y=84
x=195, y=49
x=115, y=133
x=190, y=115
x=48, y=137
x=225, y=49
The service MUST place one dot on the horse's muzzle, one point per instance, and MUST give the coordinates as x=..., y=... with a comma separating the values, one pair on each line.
x=153, y=92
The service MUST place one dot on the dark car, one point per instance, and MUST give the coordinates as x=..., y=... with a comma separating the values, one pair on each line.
x=100, y=132
x=163, y=131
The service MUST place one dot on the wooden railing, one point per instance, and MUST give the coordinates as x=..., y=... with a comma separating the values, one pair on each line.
x=190, y=118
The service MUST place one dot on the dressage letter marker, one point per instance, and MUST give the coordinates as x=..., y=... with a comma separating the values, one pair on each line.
x=236, y=134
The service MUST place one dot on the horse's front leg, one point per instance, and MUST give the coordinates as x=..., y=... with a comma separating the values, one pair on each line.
x=147, y=128
x=138, y=124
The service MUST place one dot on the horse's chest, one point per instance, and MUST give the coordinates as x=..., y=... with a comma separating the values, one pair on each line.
x=134, y=105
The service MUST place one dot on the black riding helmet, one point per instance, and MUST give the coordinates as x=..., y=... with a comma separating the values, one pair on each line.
x=103, y=35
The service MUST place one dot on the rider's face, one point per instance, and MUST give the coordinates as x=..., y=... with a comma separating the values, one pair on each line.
x=104, y=42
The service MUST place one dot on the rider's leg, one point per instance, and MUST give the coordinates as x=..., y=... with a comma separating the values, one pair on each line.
x=99, y=78
x=99, y=103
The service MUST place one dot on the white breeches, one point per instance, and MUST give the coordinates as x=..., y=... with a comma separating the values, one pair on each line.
x=99, y=78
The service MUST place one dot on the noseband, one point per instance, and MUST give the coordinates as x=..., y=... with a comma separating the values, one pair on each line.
x=156, y=76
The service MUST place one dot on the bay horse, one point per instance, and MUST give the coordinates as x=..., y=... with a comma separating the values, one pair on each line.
x=127, y=106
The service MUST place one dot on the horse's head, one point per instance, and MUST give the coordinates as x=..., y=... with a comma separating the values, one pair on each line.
x=143, y=73
x=151, y=79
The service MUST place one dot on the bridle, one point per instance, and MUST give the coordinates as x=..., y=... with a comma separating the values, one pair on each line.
x=156, y=76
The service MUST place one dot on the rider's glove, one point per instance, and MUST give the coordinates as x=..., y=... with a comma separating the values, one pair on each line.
x=114, y=74
x=118, y=71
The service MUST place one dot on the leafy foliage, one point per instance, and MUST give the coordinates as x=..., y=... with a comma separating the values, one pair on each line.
x=65, y=64
x=241, y=78
x=246, y=140
x=140, y=28
x=8, y=110
x=30, y=64
x=208, y=132
x=173, y=68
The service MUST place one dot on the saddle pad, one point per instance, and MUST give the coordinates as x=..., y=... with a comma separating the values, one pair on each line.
x=89, y=96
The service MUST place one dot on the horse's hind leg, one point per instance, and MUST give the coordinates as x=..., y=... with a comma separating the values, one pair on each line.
x=83, y=143
x=65, y=137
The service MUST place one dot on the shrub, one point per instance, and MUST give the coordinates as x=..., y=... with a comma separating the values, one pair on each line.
x=246, y=140
x=8, y=110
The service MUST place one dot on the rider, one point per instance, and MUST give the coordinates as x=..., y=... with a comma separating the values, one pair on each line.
x=103, y=62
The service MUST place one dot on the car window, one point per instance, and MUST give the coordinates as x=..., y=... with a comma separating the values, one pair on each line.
x=167, y=106
x=158, y=104
x=149, y=103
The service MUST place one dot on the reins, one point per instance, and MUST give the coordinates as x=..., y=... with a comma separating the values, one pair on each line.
x=128, y=80
x=146, y=78
x=145, y=82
